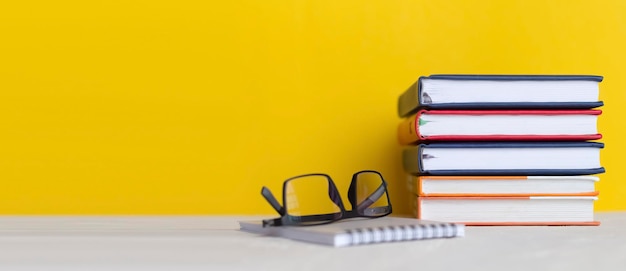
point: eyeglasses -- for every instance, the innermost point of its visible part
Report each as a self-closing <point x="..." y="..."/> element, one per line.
<point x="305" y="203"/>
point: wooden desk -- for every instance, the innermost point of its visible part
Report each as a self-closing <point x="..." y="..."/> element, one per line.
<point x="215" y="243"/>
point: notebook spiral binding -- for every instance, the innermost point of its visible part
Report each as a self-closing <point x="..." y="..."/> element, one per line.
<point x="403" y="233"/>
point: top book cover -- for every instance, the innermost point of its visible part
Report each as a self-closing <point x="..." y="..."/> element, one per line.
<point x="468" y="91"/>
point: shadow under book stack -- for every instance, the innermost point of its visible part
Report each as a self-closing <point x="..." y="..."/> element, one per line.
<point x="502" y="149"/>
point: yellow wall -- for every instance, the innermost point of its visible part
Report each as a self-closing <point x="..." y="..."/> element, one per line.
<point x="179" y="107"/>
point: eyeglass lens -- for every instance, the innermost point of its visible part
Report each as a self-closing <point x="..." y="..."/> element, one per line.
<point x="371" y="196"/>
<point x="312" y="196"/>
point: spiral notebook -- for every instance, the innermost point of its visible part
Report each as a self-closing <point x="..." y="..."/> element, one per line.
<point x="361" y="231"/>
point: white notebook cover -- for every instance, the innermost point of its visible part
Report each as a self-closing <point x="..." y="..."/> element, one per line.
<point x="359" y="231"/>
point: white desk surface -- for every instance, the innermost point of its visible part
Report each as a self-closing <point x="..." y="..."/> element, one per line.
<point x="215" y="243"/>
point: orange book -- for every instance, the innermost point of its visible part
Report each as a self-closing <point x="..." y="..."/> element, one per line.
<point x="502" y="186"/>
<point x="509" y="211"/>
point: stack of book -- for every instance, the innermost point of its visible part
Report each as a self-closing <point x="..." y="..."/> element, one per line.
<point x="502" y="149"/>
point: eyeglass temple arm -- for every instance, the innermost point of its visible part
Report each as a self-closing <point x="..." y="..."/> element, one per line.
<point x="301" y="219"/>
<point x="267" y="194"/>
<point x="372" y="198"/>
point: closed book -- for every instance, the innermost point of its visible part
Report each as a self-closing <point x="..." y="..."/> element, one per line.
<point x="502" y="186"/>
<point x="361" y="231"/>
<point x="507" y="211"/>
<point x="499" y="125"/>
<point x="467" y="91"/>
<point x="503" y="158"/>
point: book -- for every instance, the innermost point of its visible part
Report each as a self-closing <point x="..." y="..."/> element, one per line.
<point x="503" y="158"/>
<point x="361" y="231"/>
<point x="499" y="125"/>
<point x="493" y="211"/>
<point x="467" y="91"/>
<point x="502" y="186"/>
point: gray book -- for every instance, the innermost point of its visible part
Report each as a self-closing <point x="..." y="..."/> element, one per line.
<point x="361" y="231"/>
<point x="482" y="91"/>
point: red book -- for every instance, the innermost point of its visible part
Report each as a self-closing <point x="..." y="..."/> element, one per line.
<point x="499" y="125"/>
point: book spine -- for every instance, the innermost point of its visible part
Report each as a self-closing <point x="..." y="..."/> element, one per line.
<point x="405" y="233"/>
<point x="411" y="160"/>
<point x="409" y="101"/>
<point x="408" y="130"/>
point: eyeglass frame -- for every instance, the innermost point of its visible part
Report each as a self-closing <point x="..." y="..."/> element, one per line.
<point x="335" y="197"/>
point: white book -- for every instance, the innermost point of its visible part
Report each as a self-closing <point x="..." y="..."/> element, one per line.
<point x="541" y="210"/>
<point x="361" y="231"/>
